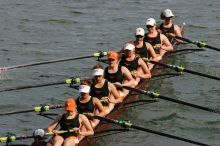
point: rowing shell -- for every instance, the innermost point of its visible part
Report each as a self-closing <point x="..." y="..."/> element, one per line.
<point x="119" y="108"/>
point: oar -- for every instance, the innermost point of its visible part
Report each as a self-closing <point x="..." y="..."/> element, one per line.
<point x="13" y="138"/>
<point x="126" y="124"/>
<point x="67" y="81"/>
<point x="200" y="44"/>
<point x="156" y="95"/>
<point x="98" y="54"/>
<point x="182" y="69"/>
<point x="37" y="109"/>
<point x="185" y="50"/>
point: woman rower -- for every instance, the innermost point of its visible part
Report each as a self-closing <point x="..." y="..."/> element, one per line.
<point x="71" y="120"/>
<point x="134" y="63"/>
<point x="89" y="104"/>
<point x="105" y="91"/>
<point x="168" y="27"/>
<point x="145" y="49"/>
<point x="159" y="41"/>
<point x="118" y="75"/>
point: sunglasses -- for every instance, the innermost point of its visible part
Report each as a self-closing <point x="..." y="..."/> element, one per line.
<point x="168" y="17"/>
<point x="97" y="76"/>
<point x="149" y="26"/>
<point x="139" y="36"/>
<point x="111" y="60"/>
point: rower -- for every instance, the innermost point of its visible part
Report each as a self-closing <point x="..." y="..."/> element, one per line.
<point x="105" y="91"/>
<point x="159" y="41"/>
<point x="134" y="63"/>
<point x="168" y="27"/>
<point x="145" y="49"/>
<point x="68" y="121"/>
<point x="118" y="75"/>
<point x="40" y="138"/>
<point x="87" y="104"/>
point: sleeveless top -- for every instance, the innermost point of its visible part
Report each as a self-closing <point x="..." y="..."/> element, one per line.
<point x="142" y="51"/>
<point x="114" y="77"/>
<point x="100" y="92"/>
<point x="87" y="107"/>
<point x="131" y="65"/>
<point x="153" y="41"/>
<point x="66" y="124"/>
<point x="167" y="30"/>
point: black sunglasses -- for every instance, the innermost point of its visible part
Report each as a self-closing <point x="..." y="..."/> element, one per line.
<point x="139" y="36"/>
<point x="149" y="26"/>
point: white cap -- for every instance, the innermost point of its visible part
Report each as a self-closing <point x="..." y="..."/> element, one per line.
<point x="168" y="13"/>
<point x="140" y="31"/>
<point x="129" y="46"/>
<point x="84" y="89"/>
<point x="39" y="132"/>
<point x="151" y="21"/>
<point x="98" y="72"/>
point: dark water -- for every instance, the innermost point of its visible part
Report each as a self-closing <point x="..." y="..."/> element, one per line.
<point x="42" y="30"/>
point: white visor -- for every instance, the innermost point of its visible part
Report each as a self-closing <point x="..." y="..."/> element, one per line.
<point x="129" y="47"/>
<point x="98" y="72"/>
<point x="84" y="89"/>
<point x="140" y="31"/>
<point x="151" y="21"/>
<point x="168" y="13"/>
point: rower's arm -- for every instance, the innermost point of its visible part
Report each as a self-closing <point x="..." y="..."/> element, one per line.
<point x="151" y="50"/>
<point x="99" y="106"/>
<point x="127" y="74"/>
<point x="145" y="69"/>
<point x="114" y="92"/>
<point x="54" y="124"/>
<point x="166" y="45"/>
<point x="85" y="122"/>
<point x="177" y="31"/>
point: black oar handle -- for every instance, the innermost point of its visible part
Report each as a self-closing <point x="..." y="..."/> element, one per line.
<point x="182" y="69"/>
<point x="213" y="48"/>
<point x="126" y="124"/>
<point x="38" y="109"/>
<point x="189" y="104"/>
<point x="168" y="135"/>
<point x="32" y="86"/>
<point x="156" y="95"/>
<point x="201" y="74"/>
<point x="198" y="43"/>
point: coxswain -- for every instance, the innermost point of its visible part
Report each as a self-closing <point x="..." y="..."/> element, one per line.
<point x="159" y="41"/>
<point x="40" y="138"/>
<point x="167" y="27"/>
<point x="134" y="63"/>
<point x="145" y="49"/>
<point x="105" y="91"/>
<point x="71" y="120"/>
<point x="118" y="75"/>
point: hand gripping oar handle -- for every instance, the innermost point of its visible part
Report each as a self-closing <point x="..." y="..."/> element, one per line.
<point x="98" y="54"/>
<point x="127" y="124"/>
<point x="182" y="69"/>
<point x="156" y="95"/>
